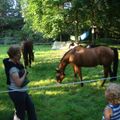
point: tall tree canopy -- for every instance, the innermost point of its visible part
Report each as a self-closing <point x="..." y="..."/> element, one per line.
<point x="50" y="17"/>
<point x="9" y="13"/>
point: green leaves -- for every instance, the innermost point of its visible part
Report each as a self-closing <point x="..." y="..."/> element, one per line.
<point x="50" y="17"/>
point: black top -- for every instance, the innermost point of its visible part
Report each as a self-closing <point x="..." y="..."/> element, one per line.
<point x="8" y="65"/>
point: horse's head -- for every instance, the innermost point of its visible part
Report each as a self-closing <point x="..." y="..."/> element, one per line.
<point x="59" y="75"/>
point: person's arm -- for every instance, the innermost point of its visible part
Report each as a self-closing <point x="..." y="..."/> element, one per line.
<point x="19" y="81"/>
<point x="107" y="113"/>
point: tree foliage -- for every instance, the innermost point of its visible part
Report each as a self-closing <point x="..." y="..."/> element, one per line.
<point x="9" y="13"/>
<point x="43" y="16"/>
<point x="50" y="18"/>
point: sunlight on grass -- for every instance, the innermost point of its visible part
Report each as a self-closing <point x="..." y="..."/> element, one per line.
<point x="1" y="65"/>
<point x="3" y="107"/>
<point x="54" y="92"/>
<point x="41" y="82"/>
<point x="68" y="101"/>
<point x="46" y="92"/>
<point x="119" y="55"/>
<point x="3" y="56"/>
<point x="97" y="84"/>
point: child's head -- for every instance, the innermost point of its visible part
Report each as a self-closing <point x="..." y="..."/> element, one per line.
<point x="112" y="93"/>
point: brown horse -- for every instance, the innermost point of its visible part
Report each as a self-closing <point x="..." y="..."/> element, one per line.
<point x="89" y="57"/>
<point x="27" y="51"/>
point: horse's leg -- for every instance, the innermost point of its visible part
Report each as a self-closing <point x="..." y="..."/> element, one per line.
<point x="77" y="70"/>
<point x="106" y="71"/>
<point x="75" y="73"/>
<point x="32" y="56"/>
<point x="26" y="59"/>
<point x="80" y="75"/>
<point x="30" y="59"/>
<point x="111" y="74"/>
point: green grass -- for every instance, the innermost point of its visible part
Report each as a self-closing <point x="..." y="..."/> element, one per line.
<point x="69" y="102"/>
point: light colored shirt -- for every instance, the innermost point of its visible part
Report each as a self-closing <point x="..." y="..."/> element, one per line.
<point x="13" y="85"/>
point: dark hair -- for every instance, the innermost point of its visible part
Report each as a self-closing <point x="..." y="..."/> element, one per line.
<point x="13" y="51"/>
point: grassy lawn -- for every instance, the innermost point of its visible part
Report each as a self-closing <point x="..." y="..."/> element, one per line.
<point x="68" y="102"/>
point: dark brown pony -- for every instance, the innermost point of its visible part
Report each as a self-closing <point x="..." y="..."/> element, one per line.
<point x="27" y="51"/>
<point x="89" y="57"/>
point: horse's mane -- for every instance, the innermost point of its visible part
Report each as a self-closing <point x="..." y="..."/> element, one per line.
<point x="74" y="49"/>
<point x="65" y="54"/>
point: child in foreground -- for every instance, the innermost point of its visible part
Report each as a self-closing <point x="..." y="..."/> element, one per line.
<point x="112" y="110"/>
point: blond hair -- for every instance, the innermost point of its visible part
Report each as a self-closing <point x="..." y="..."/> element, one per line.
<point x="112" y="93"/>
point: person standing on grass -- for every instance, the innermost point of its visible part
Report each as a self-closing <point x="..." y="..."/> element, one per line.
<point x="17" y="84"/>
<point x="112" y="110"/>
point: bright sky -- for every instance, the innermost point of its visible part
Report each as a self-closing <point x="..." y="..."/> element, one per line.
<point x="14" y="4"/>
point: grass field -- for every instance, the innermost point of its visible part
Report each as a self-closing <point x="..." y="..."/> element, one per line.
<point x="52" y="102"/>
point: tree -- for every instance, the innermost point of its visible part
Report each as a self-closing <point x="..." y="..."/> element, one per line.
<point x="43" y="16"/>
<point x="9" y="13"/>
<point x="50" y="17"/>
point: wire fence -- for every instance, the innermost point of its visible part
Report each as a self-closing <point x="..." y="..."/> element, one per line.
<point x="56" y="85"/>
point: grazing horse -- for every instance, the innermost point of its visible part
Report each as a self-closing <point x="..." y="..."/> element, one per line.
<point x="27" y="51"/>
<point x="89" y="57"/>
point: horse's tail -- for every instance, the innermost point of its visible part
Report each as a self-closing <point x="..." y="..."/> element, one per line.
<point x="115" y="63"/>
